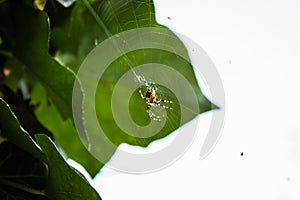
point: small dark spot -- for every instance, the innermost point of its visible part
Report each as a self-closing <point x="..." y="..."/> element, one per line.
<point x="169" y="18"/>
<point x="288" y="179"/>
<point x="242" y="153"/>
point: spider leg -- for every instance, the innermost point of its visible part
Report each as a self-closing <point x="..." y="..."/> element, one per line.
<point x="152" y="115"/>
<point x="166" y="101"/>
<point x="165" y="107"/>
<point x="141" y="78"/>
<point x="141" y="94"/>
<point x="153" y="84"/>
<point x="145" y="81"/>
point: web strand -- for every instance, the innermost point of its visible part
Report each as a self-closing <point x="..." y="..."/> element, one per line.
<point x="139" y="77"/>
<point x="110" y="35"/>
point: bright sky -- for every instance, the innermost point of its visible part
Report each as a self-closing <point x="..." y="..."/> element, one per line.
<point x="255" y="46"/>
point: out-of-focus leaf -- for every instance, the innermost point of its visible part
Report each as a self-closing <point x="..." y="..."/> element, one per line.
<point x="31" y="48"/>
<point x="64" y="131"/>
<point x="40" y="4"/>
<point x="10" y="193"/>
<point x="64" y="182"/>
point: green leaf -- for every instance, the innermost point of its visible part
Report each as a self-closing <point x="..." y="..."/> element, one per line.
<point x="11" y="129"/>
<point x="22" y="174"/>
<point x="137" y="108"/>
<point x="47" y="115"/>
<point x="64" y="182"/>
<point x="23" y="111"/>
<point x="74" y="40"/>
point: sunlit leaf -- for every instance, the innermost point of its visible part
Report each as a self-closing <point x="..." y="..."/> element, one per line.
<point x="40" y="4"/>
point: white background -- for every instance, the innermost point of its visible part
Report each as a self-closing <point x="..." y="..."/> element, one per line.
<point x="255" y="46"/>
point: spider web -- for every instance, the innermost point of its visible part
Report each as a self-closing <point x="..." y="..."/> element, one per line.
<point x="111" y="8"/>
<point x="116" y="12"/>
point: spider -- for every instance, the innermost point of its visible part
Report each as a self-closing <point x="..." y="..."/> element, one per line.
<point x="152" y="100"/>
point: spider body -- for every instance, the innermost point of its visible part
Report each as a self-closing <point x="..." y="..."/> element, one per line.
<point x="152" y="100"/>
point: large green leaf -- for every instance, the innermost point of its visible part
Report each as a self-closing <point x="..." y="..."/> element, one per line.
<point x="64" y="182"/>
<point x="92" y="23"/>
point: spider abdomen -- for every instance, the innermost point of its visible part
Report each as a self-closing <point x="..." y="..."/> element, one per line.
<point x="152" y="98"/>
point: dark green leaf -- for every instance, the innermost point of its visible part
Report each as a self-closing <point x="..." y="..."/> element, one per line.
<point x="23" y="111"/>
<point x="57" y="80"/>
<point x="47" y="114"/>
<point x="11" y="129"/>
<point x="21" y="175"/>
<point x="64" y="182"/>
<point x="11" y="193"/>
